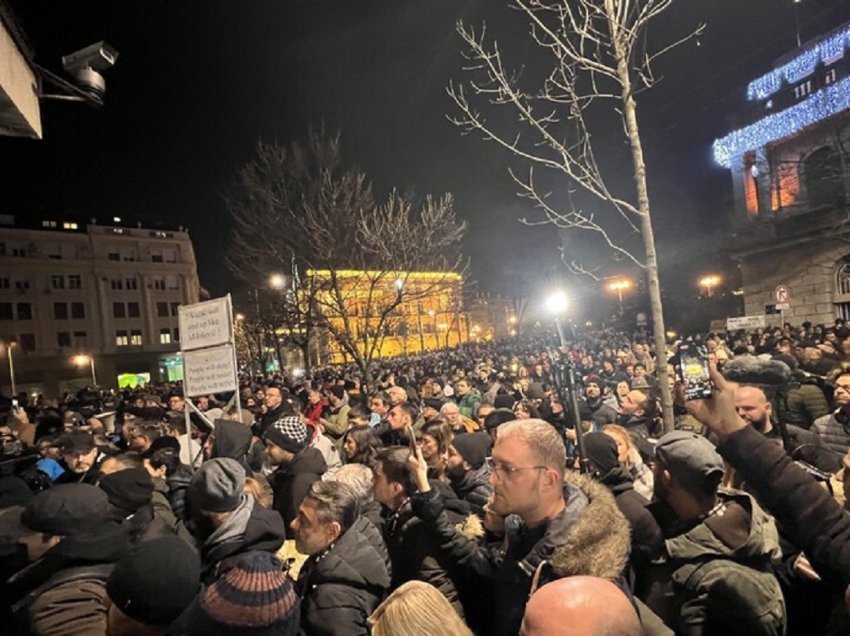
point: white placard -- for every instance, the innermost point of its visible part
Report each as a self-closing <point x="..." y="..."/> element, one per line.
<point x="205" y="324"/>
<point x="210" y="370"/>
<point x="746" y="322"/>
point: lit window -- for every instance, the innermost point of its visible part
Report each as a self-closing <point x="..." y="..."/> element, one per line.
<point x="829" y="77"/>
<point x="121" y="338"/>
<point x="135" y="337"/>
<point x="803" y="90"/>
<point x="164" y="336"/>
<point x="69" y="225"/>
<point x="48" y="224"/>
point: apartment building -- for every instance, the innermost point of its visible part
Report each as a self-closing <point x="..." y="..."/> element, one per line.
<point x="108" y="292"/>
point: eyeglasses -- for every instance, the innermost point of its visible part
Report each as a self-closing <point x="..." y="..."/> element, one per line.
<point x="507" y="471"/>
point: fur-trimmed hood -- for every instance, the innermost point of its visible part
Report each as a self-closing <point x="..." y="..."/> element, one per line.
<point x="598" y="543"/>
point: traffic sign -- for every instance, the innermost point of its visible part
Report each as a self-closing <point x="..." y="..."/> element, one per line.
<point x="781" y="294"/>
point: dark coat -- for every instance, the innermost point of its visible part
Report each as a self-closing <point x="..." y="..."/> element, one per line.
<point x="178" y="486"/>
<point x="475" y="489"/>
<point x="508" y="564"/>
<point x="647" y="539"/>
<point x="291" y="482"/>
<point x="341" y="587"/>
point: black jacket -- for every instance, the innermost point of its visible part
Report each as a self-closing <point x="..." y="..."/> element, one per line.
<point x="475" y="489"/>
<point x="647" y="539"/>
<point x="509" y="564"/>
<point x="342" y="586"/>
<point x="178" y="486"/>
<point x="291" y="481"/>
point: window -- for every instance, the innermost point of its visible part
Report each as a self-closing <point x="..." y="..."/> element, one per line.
<point x="6" y="311"/>
<point x="81" y="338"/>
<point x="20" y="252"/>
<point x="829" y="77"/>
<point x="4" y="283"/>
<point x="24" y="311"/>
<point x="26" y="342"/>
<point x="132" y="310"/>
<point x="78" y="311"/>
<point x="116" y="283"/>
<point x="121" y="338"/>
<point x="803" y="89"/>
<point x="118" y="310"/>
<point x="171" y="283"/>
<point x="60" y="311"/>
<point x="75" y="281"/>
<point x="174" y="307"/>
<point x="70" y="225"/>
<point x="158" y="282"/>
<point x="128" y="254"/>
<point x="176" y="334"/>
<point x="63" y="339"/>
<point x="156" y="256"/>
<point x="48" y="224"/>
<point x="136" y="337"/>
<point x="169" y="255"/>
<point x="161" y="310"/>
<point x="131" y="283"/>
<point x="164" y="336"/>
<point x="824" y="178"/>
<point x="57" y="281"/>
<point x="22" y="285"/>
<point x="114" y="256"/>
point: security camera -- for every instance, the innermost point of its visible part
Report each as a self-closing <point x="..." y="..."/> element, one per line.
<point x="86" y="64"/>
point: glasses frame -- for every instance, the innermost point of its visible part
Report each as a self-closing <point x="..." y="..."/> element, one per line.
<point x="508" y="471"/>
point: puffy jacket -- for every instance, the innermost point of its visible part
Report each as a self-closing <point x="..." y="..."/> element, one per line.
<point x="178" y="485"/>
<point x="805" y="404"/>
<point x="342" y="586"/>
<point x="291" y="481"/>
<point x="703" y="585"/>
<point x="475" y="489"/>
<point x="834" y="430"/>
<point x="469" y="403"/>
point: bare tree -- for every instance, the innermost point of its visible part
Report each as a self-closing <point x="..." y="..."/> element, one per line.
<point x="599" y="61"/>
<point x="361" y="263"/>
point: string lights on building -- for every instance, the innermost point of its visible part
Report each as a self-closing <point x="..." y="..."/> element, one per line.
<point x="819" y="106"/>
<point x="827" y="50"/>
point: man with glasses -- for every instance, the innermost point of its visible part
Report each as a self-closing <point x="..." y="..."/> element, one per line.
<point x="834" y="429"/>
<point x="527" y="474"/>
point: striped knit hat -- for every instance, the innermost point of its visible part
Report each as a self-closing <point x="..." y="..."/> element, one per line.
<point x="255" y="597"/>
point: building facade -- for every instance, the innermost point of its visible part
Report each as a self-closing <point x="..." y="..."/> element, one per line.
<point x="791" y="180"/>
<point x="107" y="292"/>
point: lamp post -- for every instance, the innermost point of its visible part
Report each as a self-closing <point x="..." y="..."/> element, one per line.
<point x="9" y="346"/>
<point x="82" y="360"/>
<point x="710" y="282"/>
<point x="619" y="286"/>
<point x="565" y="374"/>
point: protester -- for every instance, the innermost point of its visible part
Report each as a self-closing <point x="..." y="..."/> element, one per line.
<point x="416" y="608"/>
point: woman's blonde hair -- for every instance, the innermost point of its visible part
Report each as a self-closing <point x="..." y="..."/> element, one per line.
<point x="414" y="609"/>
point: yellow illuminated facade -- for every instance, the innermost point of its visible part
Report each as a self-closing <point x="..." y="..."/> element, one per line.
<point x="423" y="310"/>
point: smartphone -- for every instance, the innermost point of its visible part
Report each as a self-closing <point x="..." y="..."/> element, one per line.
<point x="693" y="370"/>
<point x="15" y="405"/>
<point x="411" y="439"/>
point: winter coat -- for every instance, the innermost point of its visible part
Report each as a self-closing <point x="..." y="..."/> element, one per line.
<point x="475" y="489"/>
<point x="468" y="405"/>
<point x="510" y="564"/>
<point x="337" y="422"/>
<point x="342" y="586"/>
<point x="646" y="538"/>
<point x="602" y="413"/>
<point x="834" y="431"/>
<point x="807" y="513"/>
<point x="235" y="440"/>
<point x="178" y="486"/>
<point x="250" y="527"/>
<point x="64" y="592"/>
<point x="291" y="482"/>
<point x="704" y="584"/>
<point x="805" y="404"/>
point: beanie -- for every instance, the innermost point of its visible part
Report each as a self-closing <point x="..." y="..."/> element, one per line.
<point x="156" y="580"/>
<point x="601" y="450"/>
<point x="128" y="489"/>
<point x="290" y="433"/>
<point x="254" y="597"/>
<point x="67" y="509"/>
<point x="217" y="485"/>
<point x="473" y="447"/>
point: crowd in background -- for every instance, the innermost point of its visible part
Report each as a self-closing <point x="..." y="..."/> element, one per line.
<point x="443" y="495"/>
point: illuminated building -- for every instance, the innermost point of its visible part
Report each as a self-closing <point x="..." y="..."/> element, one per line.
<point x="429" y="315"/>
<point x="791" y="181"/>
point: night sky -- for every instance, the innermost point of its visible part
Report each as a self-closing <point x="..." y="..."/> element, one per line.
<point x="198" y="83"/>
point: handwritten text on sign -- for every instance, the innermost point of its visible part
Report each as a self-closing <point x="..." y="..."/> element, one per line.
<point x="205" y="324"/>
<point x="209" y="371"/>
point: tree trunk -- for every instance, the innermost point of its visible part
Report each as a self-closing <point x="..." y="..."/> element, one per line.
<point x="653" y="282"/>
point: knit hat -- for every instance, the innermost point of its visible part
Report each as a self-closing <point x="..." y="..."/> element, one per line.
<point x="473" y="447"/>
<point x="254" y="597"/>
<point x="76" y="442"/>
<point x="217" y="485"/>
<point x="67" y="509"/>
<point x="128" y="489"/>
<point x="290" y="433"/>
<point x="690" y="458"/>
<point x="601" y="450"/>
<point x="156" y="580"/>
<point x="164" y="441"/>
<point x="434" y="403"/>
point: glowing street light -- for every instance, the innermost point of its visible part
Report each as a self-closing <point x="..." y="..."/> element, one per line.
<point x="709" y="282"/>
<point x="239" y="317"/>
<point x="556" y="304"/>
<point x="9" y="346"/>
<point x="277" y="281"/>
<point x="512" y="320"/>
<point x="619" y="286"/>
<point x="81" y="360"/>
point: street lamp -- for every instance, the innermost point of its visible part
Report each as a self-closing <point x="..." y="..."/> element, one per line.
<point x="710" y="282"/>
<point x="82" y="360"/>
<point x="556" y="304"/>
<point x="277" y="281"/>
<point x="619" y="286"/>
<point x="9" y="346"/>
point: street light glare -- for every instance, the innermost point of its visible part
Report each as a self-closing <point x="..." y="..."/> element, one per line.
<point x="80" y="360"/>
<point x="557" y="303"/>
<point x="277" y="281"/>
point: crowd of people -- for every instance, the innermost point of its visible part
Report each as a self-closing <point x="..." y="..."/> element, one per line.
<point x="452" y="493"/>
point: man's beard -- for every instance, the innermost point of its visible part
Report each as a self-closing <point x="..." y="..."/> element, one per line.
<point x="759" y="424"/>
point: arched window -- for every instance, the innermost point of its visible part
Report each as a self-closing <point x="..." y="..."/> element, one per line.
<point x="824" y="177"/>
<point x="842" y="290"/>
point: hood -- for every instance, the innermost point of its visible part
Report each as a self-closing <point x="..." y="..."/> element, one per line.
<point x="472" y="479"/>
<point x="598" y="543"/>
<point x="618" y="480"/>
<point x="180" y="478"/>
<point x="358" y="559"/>
<point x="310" y="460"/>
<point x="232" y="439"/>
<point x="759" y="529"/>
